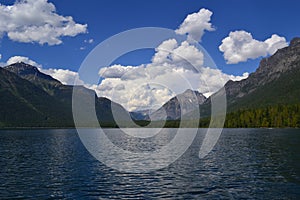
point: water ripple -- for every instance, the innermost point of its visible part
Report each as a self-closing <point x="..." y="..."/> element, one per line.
<point x="245" y="164"/>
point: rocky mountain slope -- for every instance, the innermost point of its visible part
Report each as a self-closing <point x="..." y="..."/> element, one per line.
<point x="276" y="81"/>
<point x="25" y="104"/>
<point x="275" y="84"/>
<point x="30" y="98"/>
<point x="179" y="105"/>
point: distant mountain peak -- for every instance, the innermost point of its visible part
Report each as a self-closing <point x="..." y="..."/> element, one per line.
<point x="190" y="92"/>
<point x="21" y="68"/>
<point x="179" y="105"/>
<point x="31" y="73"/>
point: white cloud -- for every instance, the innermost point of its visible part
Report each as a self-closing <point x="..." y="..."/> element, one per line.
<point x="16" y="59"/>
<point x="170" y="73"/>
<point x="163" y="51"/>
<point x="196" y="24"/>
<point x="65" y="76"/>
<point x="120" y="87"/>
<point x="37" y="21"/>
<point x="115" y="71"/>
<point x="145" y="91"/>
<point x="184" y="55"/>
<point x="175" y="67"/>
<point x="186" y="52"/>
<point x="274" y="43"/>
<point x="239" y="78"/>
<point x="240" y="46"/>
<point x="90" y="41"/>
<point x="2" y="64"/>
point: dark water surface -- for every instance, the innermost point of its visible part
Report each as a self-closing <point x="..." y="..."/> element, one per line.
<point x="245" y="164"/>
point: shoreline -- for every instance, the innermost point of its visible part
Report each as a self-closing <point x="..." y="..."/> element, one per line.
<point x="48" y="128"/>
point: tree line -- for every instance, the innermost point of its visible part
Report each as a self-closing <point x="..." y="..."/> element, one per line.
<point x="269" y="116"/>
<point x="277" y="116"/>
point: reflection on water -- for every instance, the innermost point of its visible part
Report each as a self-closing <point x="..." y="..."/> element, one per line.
<point x="245" y="163"/>
<point x="137" y="155"/>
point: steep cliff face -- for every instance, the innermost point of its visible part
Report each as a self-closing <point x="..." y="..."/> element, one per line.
<point x="277" y="74"/>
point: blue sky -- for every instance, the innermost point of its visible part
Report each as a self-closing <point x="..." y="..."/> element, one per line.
<point x="108" y="17"/>
<point x="105" y="18"/>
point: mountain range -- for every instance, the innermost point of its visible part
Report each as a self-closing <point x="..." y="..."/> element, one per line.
<point x="174" y="109"/>
<point x="276" y="81"/>
<point x="270" y="96"/>
<point x="30" y="98"/>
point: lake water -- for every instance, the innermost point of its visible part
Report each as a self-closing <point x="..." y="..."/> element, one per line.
<point x="245" y="164"/>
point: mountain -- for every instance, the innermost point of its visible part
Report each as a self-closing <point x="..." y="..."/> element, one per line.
<point x="24" y="104"/>
<point x="30" y="98"/>
<point x="32" y="74"/>
<point x="276" y="81"/>
<point x="269" y="97"/>
<point x="179" y="105"/>
<point x="141" y="114"/>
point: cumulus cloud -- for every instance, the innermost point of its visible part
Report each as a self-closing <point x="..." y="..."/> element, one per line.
<point x="240" y="46"/>
<point x="104" y="87"/>
<point x="186" y="52"/>
<point x="115" y="71"/>
<point x="16" y="59"/>
<point x="175" y="67"/>
<point x="239" y="78"/>
<point x="196" y="24"/>
<point x="120" y="87"/>
<point x="163" y="51"/>
<point x="65" y="76"/>
<point x="274" y="43"/>
<point x="145" y="91"/>
<point x="183" y="55"/>
<point x="37" y="21"/>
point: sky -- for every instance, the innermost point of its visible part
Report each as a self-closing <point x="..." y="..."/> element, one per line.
<point x="57" y="35"/>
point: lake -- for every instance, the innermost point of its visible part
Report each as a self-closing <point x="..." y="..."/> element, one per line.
<point x="244" y="164"/>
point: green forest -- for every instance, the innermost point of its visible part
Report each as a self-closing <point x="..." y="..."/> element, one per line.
<point x="276" y="116"/>
<point x="270" y="116"/>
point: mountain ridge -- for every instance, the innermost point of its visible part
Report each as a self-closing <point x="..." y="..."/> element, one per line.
<point x="273" y="88"/>
<point x="284" y="62"/>
<point x="54" y="99"/>
<point x="179" y="105"/>
<point x="24" y="91"/>
<point x="23" y="103"/>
